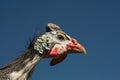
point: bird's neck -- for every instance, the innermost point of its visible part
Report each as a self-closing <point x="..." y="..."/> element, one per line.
<point x="23" y="66"/>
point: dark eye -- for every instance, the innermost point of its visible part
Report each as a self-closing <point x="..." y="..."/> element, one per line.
<point x="60" y="37"/>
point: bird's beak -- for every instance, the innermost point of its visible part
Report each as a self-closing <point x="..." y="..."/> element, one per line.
<point x="74" y="47"/>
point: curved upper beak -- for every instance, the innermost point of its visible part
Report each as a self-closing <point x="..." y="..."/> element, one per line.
<point x="75" y="47"/>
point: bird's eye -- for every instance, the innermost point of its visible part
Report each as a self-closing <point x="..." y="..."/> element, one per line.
<point x="60" y="37"/>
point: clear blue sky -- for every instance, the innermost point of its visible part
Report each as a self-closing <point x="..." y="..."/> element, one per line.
<point x="94" y="23"/>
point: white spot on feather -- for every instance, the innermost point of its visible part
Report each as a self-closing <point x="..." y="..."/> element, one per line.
<point x="54" y="32"/>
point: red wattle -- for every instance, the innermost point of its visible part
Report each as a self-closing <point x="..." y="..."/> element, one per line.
<point x="54" y="52"/>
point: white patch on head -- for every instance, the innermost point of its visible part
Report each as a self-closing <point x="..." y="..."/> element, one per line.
<point x="54" y="32"/>
<point x="62" y="47"/>
<point x="39" y="40"/>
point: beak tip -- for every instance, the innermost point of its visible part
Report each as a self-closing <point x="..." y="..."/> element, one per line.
<point x="85" y="52"/>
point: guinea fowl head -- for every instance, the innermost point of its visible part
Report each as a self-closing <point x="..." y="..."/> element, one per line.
<point x="56" y="44"/>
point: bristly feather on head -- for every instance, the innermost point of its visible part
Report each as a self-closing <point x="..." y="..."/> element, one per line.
<point x="35" y="35"/>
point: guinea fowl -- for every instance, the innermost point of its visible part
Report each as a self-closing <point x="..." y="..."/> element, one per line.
<point x="54" y="44"/>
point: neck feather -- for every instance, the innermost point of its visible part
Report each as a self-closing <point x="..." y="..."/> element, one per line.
<point x="22" y="67"/>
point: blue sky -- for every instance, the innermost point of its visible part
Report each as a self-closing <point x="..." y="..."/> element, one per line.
<point x="94" y="23"/>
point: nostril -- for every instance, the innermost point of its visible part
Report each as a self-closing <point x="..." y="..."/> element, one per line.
<point x="74" y="41"/>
